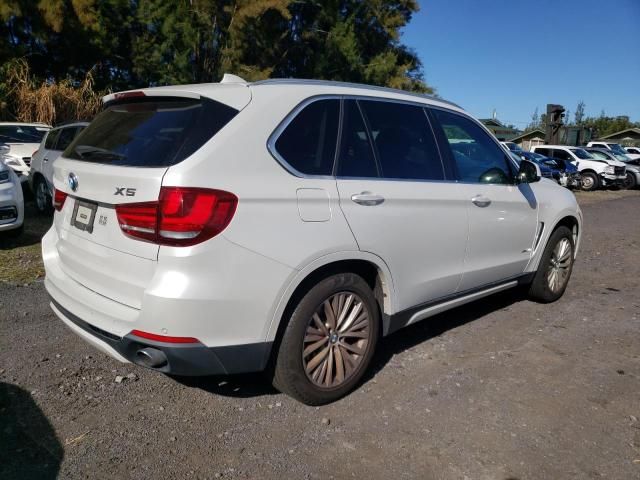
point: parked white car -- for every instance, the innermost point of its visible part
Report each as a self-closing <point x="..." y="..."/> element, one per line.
<point x="595" y="172"/>
<point x="616" y="148"/>
<point x="221" y="228"/>
<point x="633" y="152"/>
<point x="41" y="173"/>
<point x="22" y="139"/>
<point x="11" y="201"/>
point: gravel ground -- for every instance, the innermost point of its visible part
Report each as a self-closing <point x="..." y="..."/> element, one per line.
<point x="500" y="389"/>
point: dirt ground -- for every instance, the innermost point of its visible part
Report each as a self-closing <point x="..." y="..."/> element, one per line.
<point x="500" y="389"/>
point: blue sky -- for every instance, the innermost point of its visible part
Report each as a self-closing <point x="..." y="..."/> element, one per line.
<point x="517" y="55"/>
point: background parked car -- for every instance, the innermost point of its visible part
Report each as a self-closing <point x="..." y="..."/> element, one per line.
<point x="22" y="139"/>
<point x="545" y="171"/>
<point x="11" y="201"/>
<point x="595" y="173"/>
<point x="514" y="147"/>
<point x="564" y="172"/>
<point x="632" y="151"/>
<point x="633" y="166"/>
<point x="41" y="172"/>
<point x="616" y="148"/>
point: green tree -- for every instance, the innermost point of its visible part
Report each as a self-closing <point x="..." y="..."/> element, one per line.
<point x="68" y="38"/>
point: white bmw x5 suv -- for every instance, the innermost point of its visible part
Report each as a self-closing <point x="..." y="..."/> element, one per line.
<point x="287" y="225"/>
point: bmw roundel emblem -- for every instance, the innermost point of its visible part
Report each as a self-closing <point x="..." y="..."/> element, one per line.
<point x="72" y="180"/>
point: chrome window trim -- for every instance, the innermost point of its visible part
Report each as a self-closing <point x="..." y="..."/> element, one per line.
<point x="273" y="138"/>
<point x="275" y="135"/>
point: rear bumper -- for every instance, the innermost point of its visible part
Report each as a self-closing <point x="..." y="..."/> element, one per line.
<point x="225" y="306"/>
<point x="186" y="359"/>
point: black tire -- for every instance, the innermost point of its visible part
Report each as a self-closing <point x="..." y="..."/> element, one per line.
<point x="590" y="181"/>
<point x="290" y="376"/>
<point x="630" y="181"/>
<point x="16" y="232"/>
<point x="44" y="202"/>
<point x="541" y="289"/>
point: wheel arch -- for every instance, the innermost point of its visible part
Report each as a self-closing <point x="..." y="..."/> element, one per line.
<point x="371" y="267"/>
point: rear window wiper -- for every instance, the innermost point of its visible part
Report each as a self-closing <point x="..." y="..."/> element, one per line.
<point x="88" y="152"/>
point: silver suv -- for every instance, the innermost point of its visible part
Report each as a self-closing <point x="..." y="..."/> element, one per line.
<point x="235" y="227"/>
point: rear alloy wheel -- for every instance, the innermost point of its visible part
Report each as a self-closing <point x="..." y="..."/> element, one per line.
<point x="590" y="181"/>
<point x="43" y="198"/>
<point x="329" y="341"/>
<point x="555" y="267"/>
<point x="336" y="338"/>
<point x="630" y="181"/>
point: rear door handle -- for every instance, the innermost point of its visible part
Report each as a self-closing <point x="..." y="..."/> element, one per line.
<point x="480" y="201"/>
<point x="45" y="159"/>
<point x="367" y="198"/>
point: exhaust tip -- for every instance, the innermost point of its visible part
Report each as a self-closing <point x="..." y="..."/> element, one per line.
<point x="151" y="357"/>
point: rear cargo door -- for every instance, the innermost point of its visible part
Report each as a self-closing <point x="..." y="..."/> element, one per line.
<point x="121" y="158"/>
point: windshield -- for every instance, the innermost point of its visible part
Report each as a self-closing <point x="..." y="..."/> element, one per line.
<point x="150" y="132"/>
<point x="615" y="147"/>
<point x="599" y="155"/>
<point x="621" y="157"/>
<point x="580" y="153"/>
<point x="513" y="147"/>
<point x="21" y="133"/>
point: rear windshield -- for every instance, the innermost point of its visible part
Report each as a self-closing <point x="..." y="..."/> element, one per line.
<point x="21" y="133"/>
<point x="150" y="132"/>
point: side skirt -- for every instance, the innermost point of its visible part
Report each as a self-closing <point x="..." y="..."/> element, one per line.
<point x="429" y="309"/>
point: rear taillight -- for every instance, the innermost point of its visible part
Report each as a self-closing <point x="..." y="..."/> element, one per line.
<point x="58" y="199"/>
<point x="181" y="216"/>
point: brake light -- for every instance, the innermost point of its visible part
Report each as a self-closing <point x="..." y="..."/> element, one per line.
<point x="123" y="95"/>
<point x="181" y="216"/>
<point x="58" y="199"/>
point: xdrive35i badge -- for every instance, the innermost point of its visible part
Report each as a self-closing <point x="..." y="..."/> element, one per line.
<point x="72" y="180"/>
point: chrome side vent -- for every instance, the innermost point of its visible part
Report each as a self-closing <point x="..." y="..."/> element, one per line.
<point x="538" y="236"/>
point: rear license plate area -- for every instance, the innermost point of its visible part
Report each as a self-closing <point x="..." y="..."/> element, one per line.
<point x="84" y="214"/>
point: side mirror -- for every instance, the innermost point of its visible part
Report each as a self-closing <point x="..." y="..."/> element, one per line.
<point x="529" y="172"/>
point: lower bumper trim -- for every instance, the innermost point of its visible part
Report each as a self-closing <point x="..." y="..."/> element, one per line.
<point x="191" y="359"/>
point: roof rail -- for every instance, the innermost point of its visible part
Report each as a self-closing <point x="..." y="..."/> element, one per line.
<point x="300" y="81"/>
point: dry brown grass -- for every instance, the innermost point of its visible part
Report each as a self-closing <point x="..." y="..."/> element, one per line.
<point x="49" y="102"/>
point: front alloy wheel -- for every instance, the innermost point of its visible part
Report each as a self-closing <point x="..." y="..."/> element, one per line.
<point x="552" y="277"/>
<point x="559" y="264"/>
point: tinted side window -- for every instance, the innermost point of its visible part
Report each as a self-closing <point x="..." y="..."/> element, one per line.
<point x="356" y="155"/>
<point x="562" y="155"/>
<point x="544" y="151"/>
<point x="477" y="157"/>
<point x="308" y="143"/>
<point x="52" y="137"/>
<point x="403" y="140"/>
<point x="66" y="137"/>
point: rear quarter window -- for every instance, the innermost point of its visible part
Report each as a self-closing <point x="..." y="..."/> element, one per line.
<point x="150" y="131"/>
<point x="308" y="142"/>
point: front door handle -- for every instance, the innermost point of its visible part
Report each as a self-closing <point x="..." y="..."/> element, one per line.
<point x="45" y="159"/>
<point x="480" y="201"/>
<point x="367" y="198"/>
